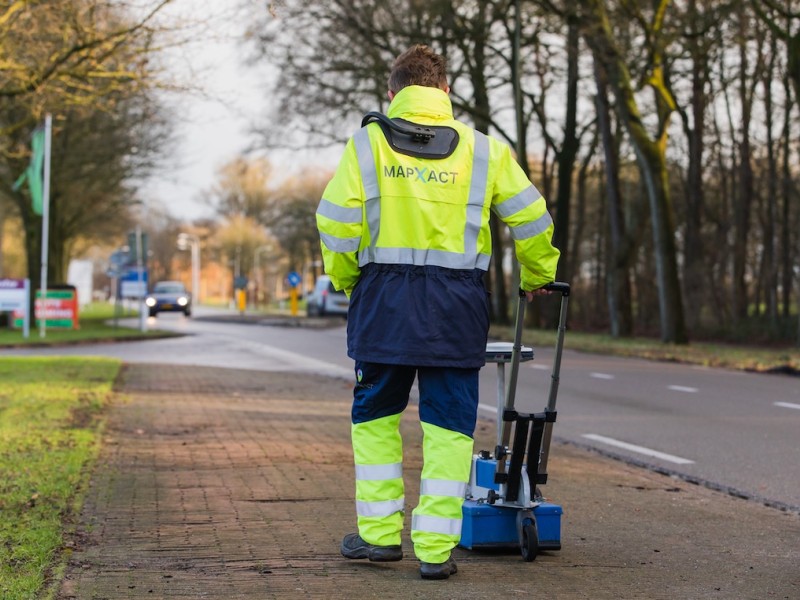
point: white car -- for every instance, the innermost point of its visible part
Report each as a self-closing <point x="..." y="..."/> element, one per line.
<point x="325" y="300"/>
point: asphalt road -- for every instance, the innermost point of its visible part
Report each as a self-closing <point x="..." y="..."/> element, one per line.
<point x="734" y="431"/>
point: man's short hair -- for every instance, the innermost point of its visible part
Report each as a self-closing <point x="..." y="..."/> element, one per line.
<point x="419" y="65"/>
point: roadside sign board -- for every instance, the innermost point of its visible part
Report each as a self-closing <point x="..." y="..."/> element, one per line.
<point x="133" y="283"/>
<point x="60" y="309"/>
<point x="15" y="297"/>
<point x="13" y="294"/>
<point x="135" y="253"/>
<point x="117" y="262"/>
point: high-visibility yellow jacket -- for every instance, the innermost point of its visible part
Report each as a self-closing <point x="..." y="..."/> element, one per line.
<point x="387" y="208"/>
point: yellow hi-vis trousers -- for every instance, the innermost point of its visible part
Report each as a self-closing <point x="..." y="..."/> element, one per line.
<point x="436" y="523"/>
<point x="378" y="454"/>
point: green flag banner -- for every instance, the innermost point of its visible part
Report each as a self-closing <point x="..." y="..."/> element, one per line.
<point x="34" y="174"/>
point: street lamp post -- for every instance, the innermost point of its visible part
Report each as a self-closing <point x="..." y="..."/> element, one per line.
<point x="191" y="241"/>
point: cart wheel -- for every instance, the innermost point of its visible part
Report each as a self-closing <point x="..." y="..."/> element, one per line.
<point x="530" y="542"/>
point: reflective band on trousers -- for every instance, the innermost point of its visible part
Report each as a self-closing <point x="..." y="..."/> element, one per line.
<point x="529" y="230"/>
<point x="442" y="487"/>
<point x="383" y="508"/>
<point x="424" y="523"/>
<point x="469" y="259"/>
<point x="379" y="472"/>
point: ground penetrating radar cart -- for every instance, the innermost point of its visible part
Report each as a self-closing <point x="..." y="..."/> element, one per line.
<point x="504" y="505"/>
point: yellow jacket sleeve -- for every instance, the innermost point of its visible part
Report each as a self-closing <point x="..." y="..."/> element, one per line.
<point x="340" y="222"/>
<point x="520" y="206"/>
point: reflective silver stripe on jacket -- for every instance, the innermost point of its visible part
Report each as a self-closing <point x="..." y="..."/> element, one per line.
<point x="422" y="256"/>
<point x="442" y="487"/>
<point x="369" y="178"/>
<point x="338" y="244"/>
<point x="379" y="509"/>
<point x="469" y="258"/>
<point x="477" y="195"/>
<point x="436" y="525"/>
<point x="337" y="213"/>
<point x="516" y="203"/>
<point x="529" y="230"/>
<point x="379" y="472"/>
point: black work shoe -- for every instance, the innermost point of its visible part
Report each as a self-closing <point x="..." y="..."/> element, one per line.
<point x="354" y="547"/>
<point x="438" y="571"/>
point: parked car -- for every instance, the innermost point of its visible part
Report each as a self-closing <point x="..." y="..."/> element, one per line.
<point x="169" y="296"/>
<point x="325" y="300"/>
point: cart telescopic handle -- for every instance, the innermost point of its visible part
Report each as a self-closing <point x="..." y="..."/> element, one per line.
<point x="558" y="286"/>
<point x="554" y="286"/>
<point x="511" y="385"/>
<point x="555" y="377"/>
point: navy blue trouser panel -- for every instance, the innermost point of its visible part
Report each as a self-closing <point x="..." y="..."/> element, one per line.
<point x="380" y="391"/>
<point x="448" y="397"/>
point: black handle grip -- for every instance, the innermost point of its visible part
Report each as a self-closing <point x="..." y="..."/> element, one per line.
<point x="556" y="286"/>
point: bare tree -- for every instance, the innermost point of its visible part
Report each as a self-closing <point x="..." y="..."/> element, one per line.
<point x="244" y="188"/>
<point x="650" y="149"/>
<point x="87" y="63"/>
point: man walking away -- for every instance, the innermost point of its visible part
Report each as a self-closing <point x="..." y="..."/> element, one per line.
<point x="404" y="229"/>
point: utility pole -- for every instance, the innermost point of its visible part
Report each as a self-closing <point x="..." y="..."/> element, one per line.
<point x="48" y="133"/>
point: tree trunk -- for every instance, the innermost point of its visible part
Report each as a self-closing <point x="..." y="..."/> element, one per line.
<point x="482" y="108"/>
<point x="694" y="267"/>
<point x="744" y="200"/>
<point x="786" y="197"/>
<point x="567" y="156"/>
<point x="770" y="271"/>
<point x="651" y="157"/>
<point x="619" y="252"/>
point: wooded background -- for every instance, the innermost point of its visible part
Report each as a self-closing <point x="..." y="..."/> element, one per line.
<point x="663" y="134"/>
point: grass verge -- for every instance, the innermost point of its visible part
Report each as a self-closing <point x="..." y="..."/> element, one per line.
<point x="729" y="356"/>
<point x="50" y="423"/>
<point x="96" y="325"/>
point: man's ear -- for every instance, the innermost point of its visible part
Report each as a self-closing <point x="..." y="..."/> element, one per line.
<point x="391" y="95"/>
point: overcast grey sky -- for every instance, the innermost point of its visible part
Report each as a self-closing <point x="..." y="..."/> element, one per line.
<point x="211" y="124"/>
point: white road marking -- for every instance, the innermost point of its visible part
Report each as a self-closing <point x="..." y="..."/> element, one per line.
<point x="787" y="405"/>
<point x="491" y="409"/>
<point x="639" y="449"/>
<point x="539" y="367"/>
<point x="682" y="388"/>
<point x="601" y="375"/>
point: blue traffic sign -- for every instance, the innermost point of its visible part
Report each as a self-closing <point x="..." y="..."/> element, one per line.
<point x="294" y="278"/>
<point x="133" y="282"/>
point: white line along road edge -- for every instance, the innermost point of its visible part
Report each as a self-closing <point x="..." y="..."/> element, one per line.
<point x="638" y="449"/>
<point x="682" y="388"/>
<point x="787" y="405"/>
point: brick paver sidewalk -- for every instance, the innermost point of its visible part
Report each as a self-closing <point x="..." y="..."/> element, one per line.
<point x="228" y="484"/>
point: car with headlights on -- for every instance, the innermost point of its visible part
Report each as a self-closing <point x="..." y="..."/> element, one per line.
<point x="169" y="296"/>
